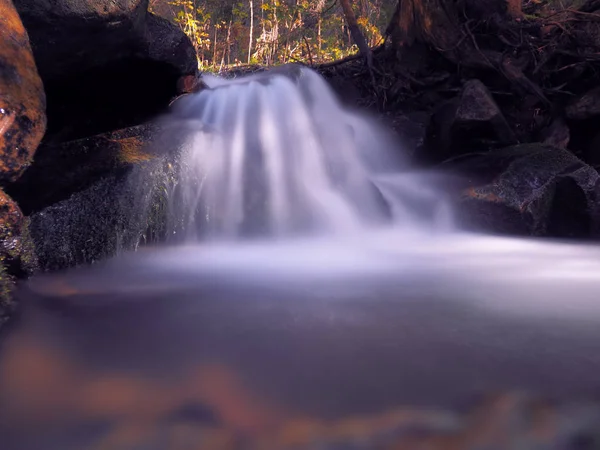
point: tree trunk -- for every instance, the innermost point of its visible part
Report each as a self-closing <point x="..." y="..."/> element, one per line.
<point x="319" y="37"/>
<point x="227" y="46"/>
<point x="355" y="32"/>
<point x="514" y="8"/>
<point x="275" y="32"/>
<point x="214" y="60"/>
<point x="251" y="34"/>
<point x="432" y="22"/>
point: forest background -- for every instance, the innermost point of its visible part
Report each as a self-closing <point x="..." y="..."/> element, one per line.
<point x="268" y="32"/>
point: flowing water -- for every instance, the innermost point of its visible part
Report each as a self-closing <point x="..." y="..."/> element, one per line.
<point x="275" y="154"/>
<point x="329" y="305"/>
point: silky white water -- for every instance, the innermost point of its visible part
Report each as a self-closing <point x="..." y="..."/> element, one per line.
<point x="326" y="193"/>
<point x="275" y="154"/>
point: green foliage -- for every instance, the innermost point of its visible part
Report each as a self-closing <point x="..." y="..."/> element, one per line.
<point x="274" y="31"/>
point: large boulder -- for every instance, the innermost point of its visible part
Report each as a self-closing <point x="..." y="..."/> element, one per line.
<point x="111" y="197"/>
<point x="22" y="126"/>
<point x="116" y="213"/>
<point x="22" y="100"/>
<point x="74" y="35"/>
<point x="531" y="189"/>
<point x="80" y="164"/>
<point x="106" y="64"/>
<point x="109" y="194"/>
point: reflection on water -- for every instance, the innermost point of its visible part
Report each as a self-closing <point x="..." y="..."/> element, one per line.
<point x="389" y="341"/>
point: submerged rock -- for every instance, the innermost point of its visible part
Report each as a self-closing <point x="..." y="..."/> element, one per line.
<point x="531" y="189"/>
<point x="22" y="100"/>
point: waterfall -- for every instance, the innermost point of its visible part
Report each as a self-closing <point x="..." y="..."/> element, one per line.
<point x="275" y="154"/>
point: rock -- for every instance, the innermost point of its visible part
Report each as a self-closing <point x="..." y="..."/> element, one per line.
<point x="557" y="134"/>
<point x="62" y="169"/>
<point x="585" y="107"/>
<point x="17" y="253"/>
<point x="22" y="100"/>
<point x="467" y="123"/>
<point x="116" y="213"/>
<point x="478" y="113"/>
<point x="6" y="302"/>
<point x="166" y="43"/>
<point x="189" y="84"/>
<point x="70" y="36"/>
<point x="89" y="198"/>
<point x="531" y="189"/>
<point x="411" y="129"/>
<point x="105" y="64"/>
<point x="17" y="257"/>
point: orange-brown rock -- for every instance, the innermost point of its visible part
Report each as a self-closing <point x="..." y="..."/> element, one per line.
<point x="22" y="99"/>
<point x="188" y="84"/>
<point x="16" y="250"/>
<point x="17" y="255"/>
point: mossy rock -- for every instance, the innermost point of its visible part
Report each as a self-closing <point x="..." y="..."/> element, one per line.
<point x="530" y="189"/>
<point x="117" y="213"/>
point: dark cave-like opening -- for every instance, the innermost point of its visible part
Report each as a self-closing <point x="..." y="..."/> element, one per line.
<point x="118" y="95"/>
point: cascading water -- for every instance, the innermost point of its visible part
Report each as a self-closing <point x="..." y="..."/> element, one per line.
<point x="275" y="154"/>
<point x="352" y="335"/>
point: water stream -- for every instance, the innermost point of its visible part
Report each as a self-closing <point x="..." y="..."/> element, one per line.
<point x="312" y="278"/>
<point x="276" y="155"/>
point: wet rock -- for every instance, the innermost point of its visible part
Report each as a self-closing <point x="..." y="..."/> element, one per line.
<point x="531" y="189"/>
<point x="62" y="169"/>
<point x="17" y="253"/>
<point x="105" y="64"/>
<point x="22" y="100"/>
<point x="116" y="213"/>
<point x="6" y="302"/>
<point x="585" y="107"/>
